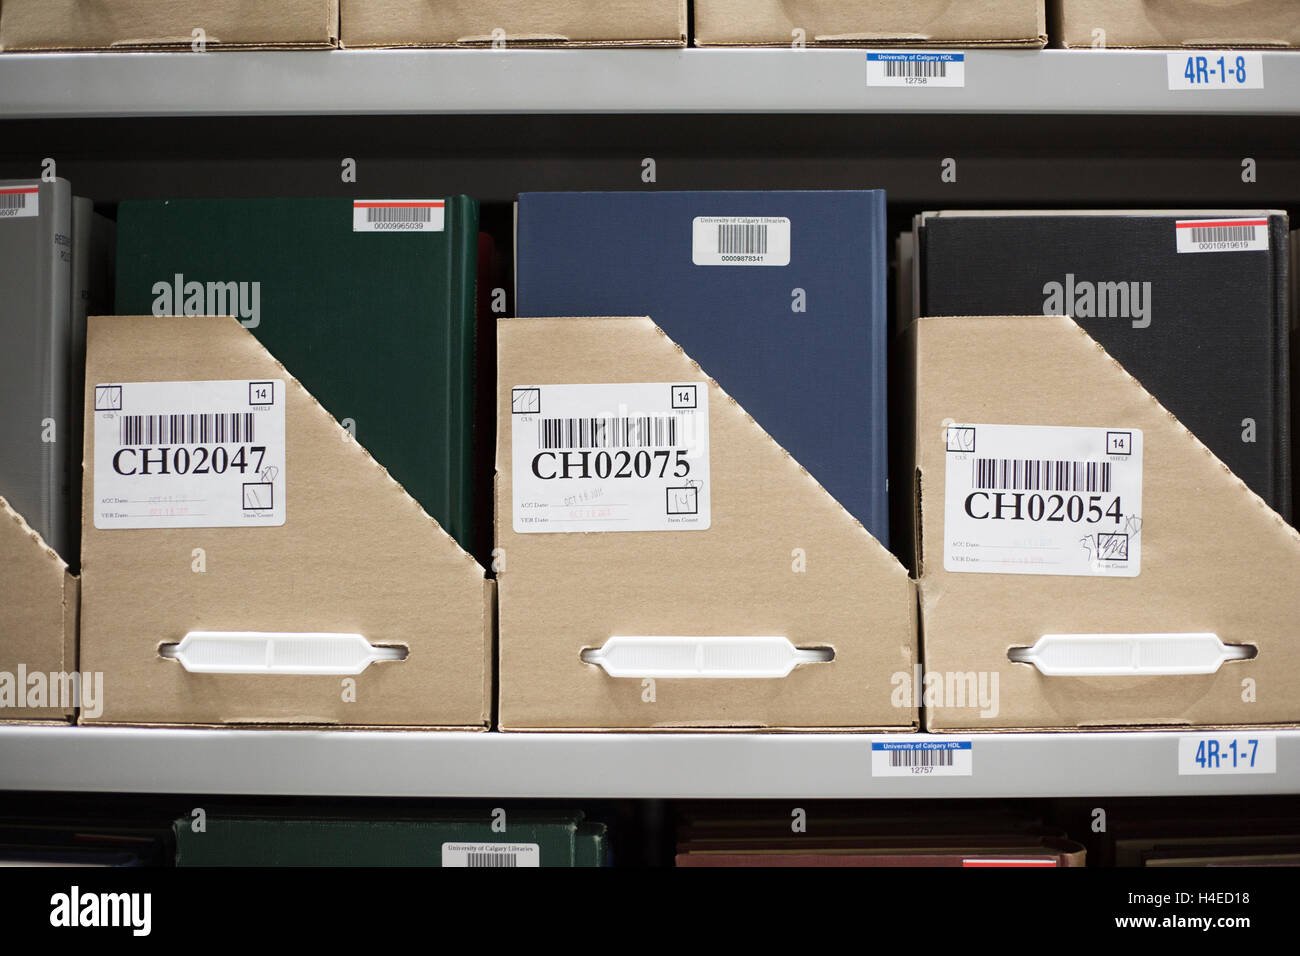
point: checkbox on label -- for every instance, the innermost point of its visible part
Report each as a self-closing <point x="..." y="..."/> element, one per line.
<point x="961" y="438"/>
<point x="683" y="501"/>
<point x="259" y="496"/>
<point x="525" y="401"/>
<point x="108" y="398"/>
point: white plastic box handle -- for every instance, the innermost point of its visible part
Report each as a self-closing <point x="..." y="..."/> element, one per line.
<point x="277" y="652"/>
<point x="693" y="656"/>
<point x="1113" y="655"/>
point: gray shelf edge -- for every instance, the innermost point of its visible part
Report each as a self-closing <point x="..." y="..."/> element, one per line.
<point x="602" y="765"/>
<point x="52" y="85"/>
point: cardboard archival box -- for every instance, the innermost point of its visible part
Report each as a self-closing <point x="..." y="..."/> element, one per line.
<point x="148" y="24"/>
<point x="415" y="23"/>
<point x="1177" y="23"/>
<point x="355" y="555"/>
<point x="1214" y="558"/>
<point x="856" y="23"/>
<point x="779" y="557"/>
<point x="38" y="625"/>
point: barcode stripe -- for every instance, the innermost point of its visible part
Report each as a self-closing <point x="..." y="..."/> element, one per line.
<point x="920" y="758"/>
<point x="742" y="238"/>
<point x="399" y="214"/>
<point x="1223" y="233"/>
<point x="14" y="200"/>
<point x="645" y="431"/>
<point x="491" y="859"/>
<point x="916" y="68"/>
<point x="1016" y="474"/>
<point x="189" y="429"/>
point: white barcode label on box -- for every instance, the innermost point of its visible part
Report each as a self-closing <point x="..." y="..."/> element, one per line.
<point x="740" y="241"/>
<point x="1215" y="70"/>
<point x="915" y="68"/>
<point x="492" y="854"/>
<point x="19" y="202"/>
<point x="628" y="457"/>
<point x="189" y="454"/>
<point x="398" y="215"/>
<point x="938" y="758"/>
<point x="1029" y="499"/>
<point x="1245" y="752"/>
<point x="1221" y="235"/>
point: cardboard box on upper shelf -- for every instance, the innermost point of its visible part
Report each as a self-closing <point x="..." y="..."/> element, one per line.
<point x="1016" y="23"/>
<point x="1164" y="24"/>
<point x="509" y="23"/>
<point x="29" y="25"/>
<point x="1085" y="562"/>
<point x="245" y="561"/>
<point x="664" y="564"/>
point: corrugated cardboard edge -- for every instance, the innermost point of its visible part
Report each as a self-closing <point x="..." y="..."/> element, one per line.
<point x="488" y="619"/>
<point x="1037" y="40"/>
<point x="889" y="565"/>
<point x="526" y="39"/>
<point x="1077" y="34"/>
<point x="29" y="549"/>
<point x="1129" y="381"/>
<point x="328" y="41"/>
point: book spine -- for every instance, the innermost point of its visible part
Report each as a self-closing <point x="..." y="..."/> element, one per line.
<point x="1282" y="384"/>
<point x="54" y="329"/>
<point x="461" y="455"/>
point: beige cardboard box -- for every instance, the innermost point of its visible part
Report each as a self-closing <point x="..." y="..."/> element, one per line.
<point x="355" y="555"/>
<point x="1214" y="558"/>
<point x="865" y="22"/>
<point x="150" y="24"/>
<point x="779" y="558"/>
<point x="407" y="23"/>
<point x="1176" y="23"/>
<point x="38" y="626"/>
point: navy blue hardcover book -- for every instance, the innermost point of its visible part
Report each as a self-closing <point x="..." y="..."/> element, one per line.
<point x="779" y="296"/>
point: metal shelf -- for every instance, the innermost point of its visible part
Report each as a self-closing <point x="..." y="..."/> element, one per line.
<point x="605" y="81"/>
<point x="495" y="765"/>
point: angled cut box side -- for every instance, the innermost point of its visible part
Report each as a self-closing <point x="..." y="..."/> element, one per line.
<point x="38" y="624"/>
<point x="561" y="593"/>
<point x="1214" y="557"/>
<point x="356" y="554"/>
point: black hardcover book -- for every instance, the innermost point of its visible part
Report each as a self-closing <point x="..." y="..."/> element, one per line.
<point x="1192" y="304"/>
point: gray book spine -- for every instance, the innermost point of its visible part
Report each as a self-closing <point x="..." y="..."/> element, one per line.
<point x="35" y="317"/>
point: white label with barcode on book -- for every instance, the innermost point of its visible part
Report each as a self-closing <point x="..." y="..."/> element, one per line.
<point x="740" y="241"/>
<point x="1222" y="235"/>
<point x="1031" y="499"/>
<point x="189" y="454"/>
<point x="937" y="758"/>
<point x="492" y="854"/>
<point x="915" y="68"/>
<point x="19" y="202"/>
<point x="1215" y="70"/>
<point x="625" y="457"/>
<point x="398" y="215"/>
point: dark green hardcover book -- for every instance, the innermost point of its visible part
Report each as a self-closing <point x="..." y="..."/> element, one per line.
<point x="453" y="840"/>
<point x="369" y="304"/>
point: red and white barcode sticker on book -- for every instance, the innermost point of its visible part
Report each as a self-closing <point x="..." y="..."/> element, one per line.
<point x="1222" y="235"/>
<point x="18" y="202"/>
<point x="398" y="215"/>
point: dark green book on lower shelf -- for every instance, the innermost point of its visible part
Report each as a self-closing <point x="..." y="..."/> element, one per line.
<point x="458" y="840"/>
<point x="370" y="304"/>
